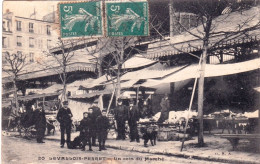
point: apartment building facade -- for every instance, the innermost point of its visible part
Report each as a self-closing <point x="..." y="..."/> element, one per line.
<point x="27" y="36"/>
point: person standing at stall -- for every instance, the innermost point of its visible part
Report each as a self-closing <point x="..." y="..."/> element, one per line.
<point x="165" y="106"/>
<point x="64" y="117"/>
<point x="146" y="111"/>
<point x="40" y="124"/>
<point x="120" y="117"/>
<point x="103" y="127"/>
<point x="94" y="115"/>
<point x="133" y="118"/>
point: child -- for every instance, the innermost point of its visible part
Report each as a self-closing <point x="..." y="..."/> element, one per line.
<point x="78" y="141"/>
<point x="85" y="124"/>
<point x="102" y="129"/>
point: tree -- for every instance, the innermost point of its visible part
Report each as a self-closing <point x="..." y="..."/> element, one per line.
<point x="15" y="64"/>
<point x="60" y="62"/>
<point x="110" y="54"/>
<point x="212" y="33"/>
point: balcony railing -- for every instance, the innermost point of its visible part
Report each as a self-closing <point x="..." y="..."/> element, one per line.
<point x="19" y="44"/>
<point x="31" y="46"/>
<point x="19" y="29"/>
<point x="31" y="30"/>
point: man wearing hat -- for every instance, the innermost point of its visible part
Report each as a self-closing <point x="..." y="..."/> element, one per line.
<point x="102" y="129"/>
<point x="40" y="124"/>
<point x="133" y="118"/>
<point x="64" y="117"/>
<point x="120" y="117"/>
<point x="96" y="112"/>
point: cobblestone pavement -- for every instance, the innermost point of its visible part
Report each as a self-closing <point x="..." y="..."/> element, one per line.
<point x="21" y="151"/>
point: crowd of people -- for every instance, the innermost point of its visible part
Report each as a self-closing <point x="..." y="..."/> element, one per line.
<point x="95" y="123"/>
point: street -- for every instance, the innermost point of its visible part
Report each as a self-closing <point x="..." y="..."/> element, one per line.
<point x="22" y="151"/>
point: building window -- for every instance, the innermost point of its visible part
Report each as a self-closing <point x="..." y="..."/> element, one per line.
<point x="4" y="42"/>
<point x="31" y="27"/>
<point x="48" y="43"/>
<point x="4" y="28"/>
<point x="48" y="30"/>
<point x="31" y="57"/>
<point x="19" y="41"/>
<point x="18" y="25"/>
<point x="31" y="42"/>
<point x="8" y="26"/>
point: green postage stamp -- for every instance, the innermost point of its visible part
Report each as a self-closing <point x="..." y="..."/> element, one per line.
<point x="81" y="19"/>
<point x="122" y="18"/>
<point x="127" y="18"/>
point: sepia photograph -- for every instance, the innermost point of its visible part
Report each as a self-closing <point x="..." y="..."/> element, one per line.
<point x="130" y="81"/>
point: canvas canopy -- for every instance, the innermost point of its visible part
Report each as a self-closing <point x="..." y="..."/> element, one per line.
<point x="92" y="94"/>
<point x="211" y="70"/>
<point x="137" y="61"/>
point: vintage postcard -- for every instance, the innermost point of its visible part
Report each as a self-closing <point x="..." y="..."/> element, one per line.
<point x="130" y="81"/>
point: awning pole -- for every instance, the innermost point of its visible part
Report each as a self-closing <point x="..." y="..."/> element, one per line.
<point x="191" y="100"/>
<point x="43" y="102"/>
<point x="110" y="102"/>
<point x="137" y="95"/>
<point x="36" y="103"/>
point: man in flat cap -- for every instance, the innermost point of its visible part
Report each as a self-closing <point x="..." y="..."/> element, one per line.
<point x="120" y="113"/>
<point x="64" y="117"/>
<point x="102" y="129"/>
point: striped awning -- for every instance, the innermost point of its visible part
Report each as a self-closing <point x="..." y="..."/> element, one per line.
<point x="34" y="96"/>
<point x="88" y="67"/>
<point x="188" y="43"/>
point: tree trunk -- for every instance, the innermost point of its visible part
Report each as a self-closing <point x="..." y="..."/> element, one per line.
<point x="15" y="97"/>
<point x="118" y="85"/>
<point x="64" y="96"/>
<point x="99" y="75"/>
<point x="119" y="67"/>
<point x="174" y="20"/>
<point x="201" y="95"/>
<point x="171" y="18"/>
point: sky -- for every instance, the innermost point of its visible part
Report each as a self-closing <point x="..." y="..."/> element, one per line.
<point x="26" y="8"/>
